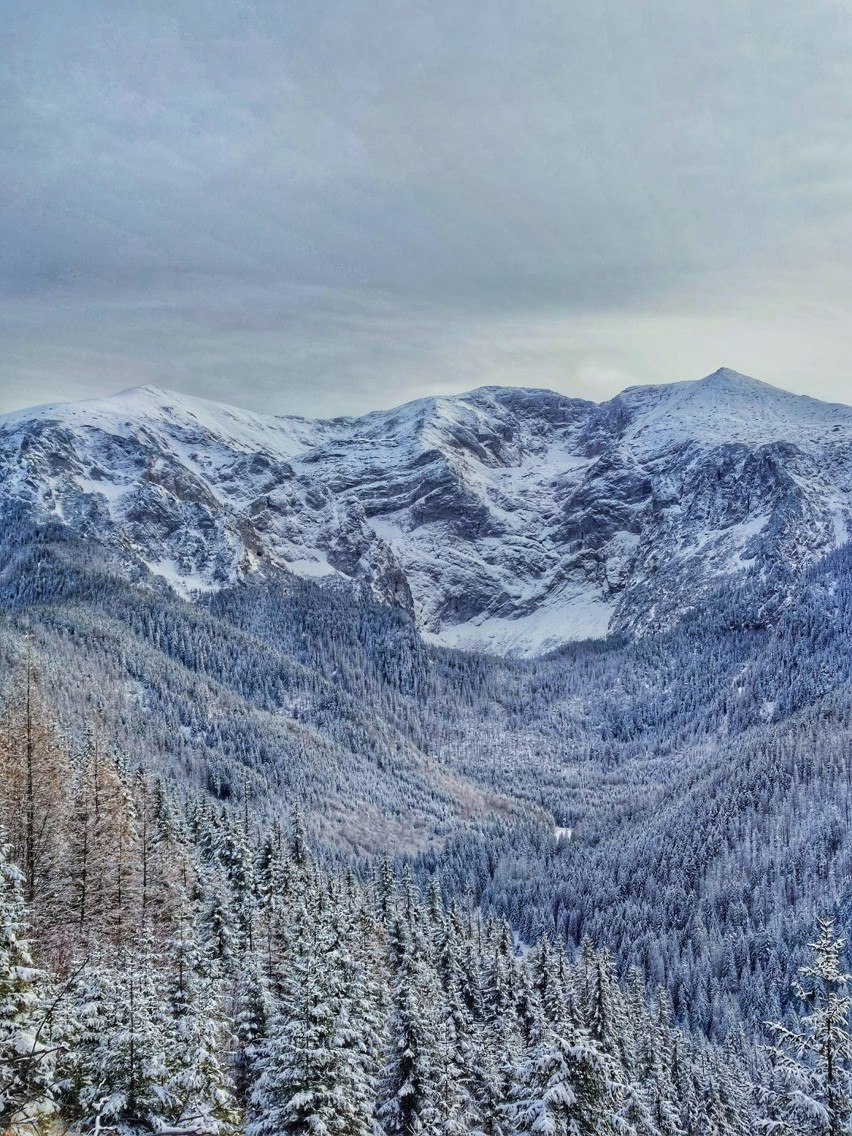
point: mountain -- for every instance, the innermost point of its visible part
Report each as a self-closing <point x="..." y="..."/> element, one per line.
<point x="506" y="520"/>
<point x="681" y="796"/>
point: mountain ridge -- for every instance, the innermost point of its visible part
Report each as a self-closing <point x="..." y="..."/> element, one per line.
<point x="506" y="519"/>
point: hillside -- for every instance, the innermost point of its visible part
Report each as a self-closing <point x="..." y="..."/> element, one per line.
<point x="511" y="521"/>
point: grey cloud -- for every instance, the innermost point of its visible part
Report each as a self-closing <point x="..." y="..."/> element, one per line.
<point x="351" y="198"/>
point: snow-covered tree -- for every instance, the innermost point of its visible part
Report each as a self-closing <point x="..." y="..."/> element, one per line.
<point x="315" y="1070"/>
<point x="562" y="1088"/>
<point x="253" y="1010"/>
<point x="117" y="1072"/>
<point x="410" y="1088"/>
<point x="812" y="1062"/>
<point x="27" y="1049"/>
<point x="198" y="1091"/>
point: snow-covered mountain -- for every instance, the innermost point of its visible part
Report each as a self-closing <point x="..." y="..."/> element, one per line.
<point x="505" y="519"/>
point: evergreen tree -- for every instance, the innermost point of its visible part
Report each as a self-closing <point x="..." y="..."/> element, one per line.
<point x="117" y="1072"/>
<point x="812" y="1094"/>
<point x="561" y="1088"/>
<point x="315" y="1076"/>
<point x="27" y="1052"/>
<point x="253" y="1010"/>
<point x="410" y="1089"/>
<point x="197" y="1088"/>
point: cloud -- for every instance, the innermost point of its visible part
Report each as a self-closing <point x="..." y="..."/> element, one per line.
<point x="329" y="204"/>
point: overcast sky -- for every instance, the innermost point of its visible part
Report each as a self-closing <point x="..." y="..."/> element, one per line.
<point x="328" y="206"/>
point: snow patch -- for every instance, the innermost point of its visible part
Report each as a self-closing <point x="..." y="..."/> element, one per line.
<point x="584" y="616"/>
<point x="186" y="584"/>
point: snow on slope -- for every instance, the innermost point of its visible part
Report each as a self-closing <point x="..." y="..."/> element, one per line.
<point x="728" y="408"/>
<point x="505" y="520"/>
<point x="167" y="413"/>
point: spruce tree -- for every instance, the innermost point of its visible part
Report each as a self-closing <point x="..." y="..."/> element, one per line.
<point x="561" y="1088"/>
<point x="253" y="1009"/>
<point x="812" y="1093"/>
<point x="117" y="1065"/>
<point x="197" y="1088"/>
<point x="27" y="1051"/>
<point x="409" y="1093"/>
<point x="314" y="1074"/>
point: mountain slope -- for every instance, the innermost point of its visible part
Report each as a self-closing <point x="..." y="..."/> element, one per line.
<point x="702" y="773"/>
<point x="507" y="520"/>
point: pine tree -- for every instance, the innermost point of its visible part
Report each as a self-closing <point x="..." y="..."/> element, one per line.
<point x="197" y="1088"/>
<point x="410" y="1089"/>
<point x="166" y="875"/>
<point x="27" y="1051"/>
<point x="561" y="1088"/>
<point x="236" y="859"/>
<point x="217" y="922"/>
<point x="812" y="1095"/>
<point x="117" y="1071"/>
<point x="315" y="1075"/>
<point x="498" y="1043"/>
<point x="299" y="852"/>
<point x="459" y="1065"/>
<point x="253" y="1011"/>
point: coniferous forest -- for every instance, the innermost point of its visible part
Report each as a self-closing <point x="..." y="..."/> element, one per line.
<point x="168" y="968"/>
<point x="256" y="878"/>
<point x="425" y="661"/>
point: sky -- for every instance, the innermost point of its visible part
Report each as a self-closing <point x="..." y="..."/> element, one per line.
<point x="329" y="206"/>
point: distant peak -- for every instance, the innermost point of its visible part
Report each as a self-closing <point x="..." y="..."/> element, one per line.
<point x="143" y="389"/>
<point x="729" y="376"/>
<point x="149" y="392"/>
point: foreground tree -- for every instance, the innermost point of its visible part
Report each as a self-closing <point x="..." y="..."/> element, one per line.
<point x="315" y="1074"/>
<point x="26" y="1052"/>
<point x="812" y="1090"/>
<point x="33" y="800"/>
<point x="116" y="1071"/>
<point x="198" y="1090"/>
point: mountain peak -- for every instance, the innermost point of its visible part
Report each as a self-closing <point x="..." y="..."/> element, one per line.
<point x="725" y="378"/>
<point x="729" y="375"/>
<point x="505" y="519"/>
<point x="143" y="390"/>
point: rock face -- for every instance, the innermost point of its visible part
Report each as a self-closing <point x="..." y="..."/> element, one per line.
<point x="505" y="520"/>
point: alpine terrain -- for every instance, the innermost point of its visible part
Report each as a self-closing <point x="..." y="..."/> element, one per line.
<point x="511" y="521"/>
<point x="481" y="766"/>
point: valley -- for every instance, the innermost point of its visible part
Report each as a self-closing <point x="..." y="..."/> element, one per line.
<point x="273" y="619"/>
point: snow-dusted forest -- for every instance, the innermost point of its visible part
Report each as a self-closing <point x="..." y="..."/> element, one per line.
<point x="276" y="859"/>
<point x="569" y="905"/>
<point x="167" y="966"/>
<point x="425" y="658"/>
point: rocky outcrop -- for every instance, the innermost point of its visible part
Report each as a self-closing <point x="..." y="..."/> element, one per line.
<point x="505" y="520"/>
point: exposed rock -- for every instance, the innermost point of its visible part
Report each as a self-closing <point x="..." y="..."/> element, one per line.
<point x="507" y="520"/>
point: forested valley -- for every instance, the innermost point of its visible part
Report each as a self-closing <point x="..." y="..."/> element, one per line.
<point x="167" y="966"/>
<point x="425" y="694"/>
<point x="202" y="934"/>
